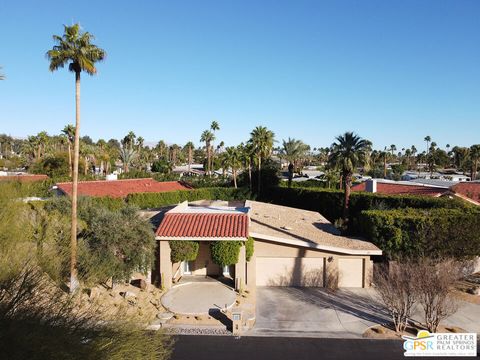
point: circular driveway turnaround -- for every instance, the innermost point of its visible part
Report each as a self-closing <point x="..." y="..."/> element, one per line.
<point x="199" y="298"/>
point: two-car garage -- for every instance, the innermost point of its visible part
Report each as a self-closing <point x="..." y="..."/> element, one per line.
<point x="286" y="265"/>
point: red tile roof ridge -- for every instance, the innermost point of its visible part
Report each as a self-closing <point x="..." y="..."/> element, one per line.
<point x="103" y="181"/>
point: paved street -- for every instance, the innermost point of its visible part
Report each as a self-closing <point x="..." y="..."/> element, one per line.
<point x="227" y="347"/>
<point x="252" y="348"/>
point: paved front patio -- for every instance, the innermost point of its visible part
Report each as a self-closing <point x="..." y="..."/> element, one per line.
<point x="199" y="296"/>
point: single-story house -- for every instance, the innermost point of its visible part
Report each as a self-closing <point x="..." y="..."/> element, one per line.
<point x="468" y="191"/>
<point x="120" y="188"/>
<point x="391" y="187"/>
<point x="292" y="247"/>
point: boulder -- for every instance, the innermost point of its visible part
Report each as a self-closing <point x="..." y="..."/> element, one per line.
<point x="140" y="283"/>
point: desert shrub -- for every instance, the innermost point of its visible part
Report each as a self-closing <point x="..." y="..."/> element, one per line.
<point x="225" y="252"/>
<point x="183" y="250"/>
<point x="115" y="244"/>
<point x="249" y="248"/>
<point x="112" y="243"/>
<point x="38" y="320"/>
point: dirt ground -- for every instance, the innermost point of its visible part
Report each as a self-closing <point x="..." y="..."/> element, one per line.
<point x="126" y="300"/>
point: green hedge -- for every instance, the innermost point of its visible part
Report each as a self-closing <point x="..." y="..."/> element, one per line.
<point x="183" y="250"/>
<point x="225" y="252"/>
<point x="249" y="248"/>
<point x="330" y="202"/>
<point x="154" y="200"/>
<point x="423" y="232"/>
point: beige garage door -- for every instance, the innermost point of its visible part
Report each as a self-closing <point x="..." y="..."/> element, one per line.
<point x="280" y="271"/>
<point x="350" y="272"/>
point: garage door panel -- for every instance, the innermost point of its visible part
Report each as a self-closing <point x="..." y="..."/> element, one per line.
<point x="289" y="271"/>
<point x="350" y="273"/>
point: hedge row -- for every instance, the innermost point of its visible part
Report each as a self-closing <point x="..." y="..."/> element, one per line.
<point x="423" y="232"/>
<point x="154" y="200"/>
<point x="330" y="202"/>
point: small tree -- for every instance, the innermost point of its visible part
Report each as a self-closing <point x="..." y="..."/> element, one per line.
<point x="114" y="243"/>
<point x="249" y="248"/>
<point x="396" y="289"/>
<point x="183" y="250"/>
<point x="225" y="252"/>
<point x="435" y="280"/>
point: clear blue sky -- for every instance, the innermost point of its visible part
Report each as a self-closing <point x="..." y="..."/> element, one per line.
<point x="393" y="71"/>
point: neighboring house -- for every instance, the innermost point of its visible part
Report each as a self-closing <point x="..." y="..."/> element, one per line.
<point x="468" y="191"/>
<point x="120" y="188"/>
<point x="390" y="187"/>
<point x="292" y="247"/>
<point x="465" y="190"/>
<point x="23" y="177"/>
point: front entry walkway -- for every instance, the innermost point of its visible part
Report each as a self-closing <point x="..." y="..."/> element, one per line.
<point x="197" y="295"/>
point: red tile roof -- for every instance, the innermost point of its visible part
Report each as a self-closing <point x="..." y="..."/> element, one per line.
<point x="203" y="225"/>
<point x="24" y="178"/>
<point x="400" y="189"/>
<point x="470" y="190"/>
<point x="121" y="188"/>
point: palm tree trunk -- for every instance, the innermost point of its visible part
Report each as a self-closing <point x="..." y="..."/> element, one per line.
<point x="235" y="178"/>
<point x="189" y="158"/>
<point x="69" y="159"/>
<point x="259" y="173"/>
<point x="73" y="235"/>
<point x="348" y="183"/>
<point x="385" y="167"/>
<point x="250" y="173"/>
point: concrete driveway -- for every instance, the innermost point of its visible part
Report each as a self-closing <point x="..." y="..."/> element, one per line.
<point x="315" y="312"/>
<point x="346" y="313"/>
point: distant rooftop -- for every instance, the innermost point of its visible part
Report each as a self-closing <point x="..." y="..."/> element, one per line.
<point x="121" y="188"/>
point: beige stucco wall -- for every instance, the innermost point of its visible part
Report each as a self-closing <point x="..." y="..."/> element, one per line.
<point x="271" y="249"/>
<point x="165" y="265"/>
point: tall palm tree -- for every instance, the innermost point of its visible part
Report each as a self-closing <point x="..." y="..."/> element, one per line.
<point x="207" y="137"/>
<point x="232" y="159"/>
<point x="69" y="132"/>
<point x="474" y="158"/>
<point x="75" y="48"/>
<point x="348" y="153"/>
<point x="128" y="156"/>
<point x="189" y="146"/>
<point x="427" y="139"/>
<point x="261" y="140"/>
<point x="214" y="126"/>
<point x="292" y="150"/>
<point x="393" y="148"/>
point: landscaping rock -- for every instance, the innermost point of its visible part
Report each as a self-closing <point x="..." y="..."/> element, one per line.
<point x="474" y="291"/>
<point x="165" y="316"/>
<point x="140" y="283"/>
<point x="128" y="294"/>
